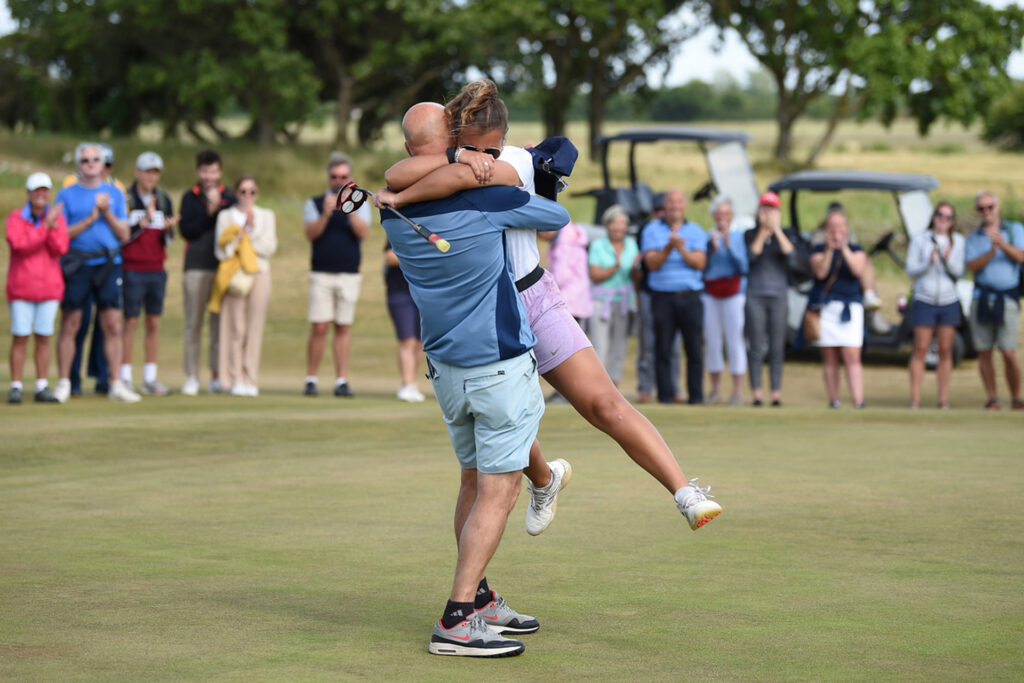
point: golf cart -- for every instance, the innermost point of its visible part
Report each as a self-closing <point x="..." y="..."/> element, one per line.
<point x="910" y="192"/>
<point x="726" y="155"/>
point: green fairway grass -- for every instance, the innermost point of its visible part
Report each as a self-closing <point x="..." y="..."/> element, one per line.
<point x="290" y="538"/>
<point x="295" y="539"/>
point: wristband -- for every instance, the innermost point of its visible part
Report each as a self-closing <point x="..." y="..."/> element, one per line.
<point x="452" y="154"/>
<point x="457" y="153"/>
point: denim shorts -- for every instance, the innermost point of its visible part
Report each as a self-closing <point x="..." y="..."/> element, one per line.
<point x="404" y="315"/>
<point x="33" y="317"/>
<point x="82" y="283"/>
<point x="144" y="288"/>
<point x="492" y="411"/>
<point x="928" y="315"/>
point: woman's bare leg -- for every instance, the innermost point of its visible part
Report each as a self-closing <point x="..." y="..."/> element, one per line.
<point x="582" y="380"/>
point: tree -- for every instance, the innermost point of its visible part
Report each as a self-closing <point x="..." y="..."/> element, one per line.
<point x="1005" y="123"/>
<point x="932" y="58"/>
<point x="561" y="46"/>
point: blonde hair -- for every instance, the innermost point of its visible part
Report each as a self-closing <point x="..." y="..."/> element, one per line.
<point x="477" y="106"/>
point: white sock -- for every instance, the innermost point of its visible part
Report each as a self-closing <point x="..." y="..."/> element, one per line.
<point x="683" y="493"/>
<point x="126" y="373"/>
<point x="311" y="378"/>
<point x="149" y="373"/>
<point x="41" y="384"/>
<point x="341" y="380"/>
<point x="15" y="385"/>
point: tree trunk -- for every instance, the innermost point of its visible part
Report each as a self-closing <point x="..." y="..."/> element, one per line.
<point x="784" y="142"/>
<point x="595" y="115"/>
<point x="843" y="108"/>
<point x="343" y="106"/>
<point x="190" y="126"/>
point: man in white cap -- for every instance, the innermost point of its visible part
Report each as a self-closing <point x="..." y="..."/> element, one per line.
<point x="37" y="235"/>
<point x="151" y="220"/>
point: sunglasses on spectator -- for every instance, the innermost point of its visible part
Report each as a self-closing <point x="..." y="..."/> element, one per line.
<point x="985" y="207"/>
<point x="245" y="190"/>
<point x="947" y="216"/>
<point x="341" y="177"/>
<point x="90" y="160"/>
<point x="493" y="151"/>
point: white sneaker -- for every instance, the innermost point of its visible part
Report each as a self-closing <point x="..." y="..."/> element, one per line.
<point x="63" y="390"/>
<point x="214" y="387"/>
<point x="871" y="299"/>
<point x="251" y="390"/>
<point x="120" y="392"/>
<point x="410" y="394"/>
<point x="191" y="387"/>
<point x="544" y="502"/>
<point x="693" y="502"/>
<point x="239" y="389"/>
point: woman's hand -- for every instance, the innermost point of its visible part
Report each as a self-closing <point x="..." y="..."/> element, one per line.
<point x="481" y="163"/>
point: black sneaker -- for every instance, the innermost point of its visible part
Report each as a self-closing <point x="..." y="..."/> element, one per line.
<point x="343" y="390"/>
<point x="310" y="389"/>
<point x="14" y="397"/>
<point x="44" y="395"/>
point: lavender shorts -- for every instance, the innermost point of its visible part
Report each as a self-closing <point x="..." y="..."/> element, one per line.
<point x="558" y="334"/>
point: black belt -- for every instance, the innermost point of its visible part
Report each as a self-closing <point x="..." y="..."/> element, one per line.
<point x="680" y="293"/>
<point x="530" y="279"/>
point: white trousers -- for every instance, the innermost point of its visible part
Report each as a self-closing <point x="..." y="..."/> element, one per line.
<point x="723" y="323"/>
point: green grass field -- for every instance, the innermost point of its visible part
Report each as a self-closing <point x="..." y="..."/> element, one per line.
<point x="287" y="538"/>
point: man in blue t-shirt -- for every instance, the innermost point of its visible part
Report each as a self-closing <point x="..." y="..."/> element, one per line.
<point x="994" y="252"/>
<point x="97" y="221"/>
<point x="675" y="253"/>
<point x="334" y="278"/>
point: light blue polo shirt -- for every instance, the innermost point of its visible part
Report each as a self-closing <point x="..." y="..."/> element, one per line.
<point x="470" y="311"/>
<point x="1001" y="273"/>
<point x="78" y="204"/>
<point x="674" y="275"/>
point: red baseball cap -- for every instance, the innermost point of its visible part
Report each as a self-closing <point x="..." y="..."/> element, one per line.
<point x="769" y="199"/>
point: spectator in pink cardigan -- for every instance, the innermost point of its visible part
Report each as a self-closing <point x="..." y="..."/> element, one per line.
<point x="37" y="235"/>
<point x="567" y="262"/>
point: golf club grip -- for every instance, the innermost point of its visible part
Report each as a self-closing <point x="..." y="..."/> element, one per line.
<point x="442" y="244"/>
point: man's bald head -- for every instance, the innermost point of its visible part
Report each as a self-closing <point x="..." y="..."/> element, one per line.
<point x="425" y="129"/>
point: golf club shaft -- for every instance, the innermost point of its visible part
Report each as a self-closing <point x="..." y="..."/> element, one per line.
<point x="442" y="245"/>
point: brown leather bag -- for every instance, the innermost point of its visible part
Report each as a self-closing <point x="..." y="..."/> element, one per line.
<point x="812" y="314"/>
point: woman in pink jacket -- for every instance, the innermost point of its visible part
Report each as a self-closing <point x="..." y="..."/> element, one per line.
<point x="37" y="235"/>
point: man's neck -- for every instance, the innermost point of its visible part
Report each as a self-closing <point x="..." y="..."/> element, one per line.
<point x="37" y="212"/>
<point x="94" y="181"/>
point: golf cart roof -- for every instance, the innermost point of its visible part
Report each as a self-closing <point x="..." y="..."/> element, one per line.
<point x="834" y="181"/>
<point x="687" y="133"/>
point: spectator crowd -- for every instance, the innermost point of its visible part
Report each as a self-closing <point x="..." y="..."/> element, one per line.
<point x="699" y="300"/>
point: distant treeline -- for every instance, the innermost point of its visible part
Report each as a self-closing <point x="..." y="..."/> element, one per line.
<point x="726" y="99"/>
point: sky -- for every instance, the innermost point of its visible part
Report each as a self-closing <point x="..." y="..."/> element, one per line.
<point x="697" y="58"/>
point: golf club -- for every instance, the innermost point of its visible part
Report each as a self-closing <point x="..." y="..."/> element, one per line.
<point x="351" y="197"/>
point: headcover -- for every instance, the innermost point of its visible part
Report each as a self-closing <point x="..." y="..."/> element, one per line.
<point x="553" y="158"/>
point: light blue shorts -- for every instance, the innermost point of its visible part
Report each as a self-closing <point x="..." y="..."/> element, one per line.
<point x="492" y="411"/>
<point x="32" y="317"/>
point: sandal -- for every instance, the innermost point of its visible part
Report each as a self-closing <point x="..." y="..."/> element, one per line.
<point x="1017" y="404"/>
<point x="993" y="404"/>
<point x="943" y="405"/>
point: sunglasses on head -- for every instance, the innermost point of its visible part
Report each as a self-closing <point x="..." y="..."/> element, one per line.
<point x="493" y="151"/>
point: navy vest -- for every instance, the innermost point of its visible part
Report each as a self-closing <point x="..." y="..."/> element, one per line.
<point x="337" y="249"/>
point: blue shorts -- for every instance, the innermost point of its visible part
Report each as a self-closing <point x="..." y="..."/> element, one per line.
<point x="927" y="315"/>
<point x="144" y="287"/>
<point x="106" y="293"/>
<point x="404" y="315"/>
<point x="33" y="317"/>
<point x="492" y="411"/>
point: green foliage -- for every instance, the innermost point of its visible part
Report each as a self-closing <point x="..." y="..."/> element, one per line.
<point x="1004" y="124"/>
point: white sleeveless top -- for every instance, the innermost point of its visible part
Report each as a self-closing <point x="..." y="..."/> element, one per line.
<point x="521" y="242"/>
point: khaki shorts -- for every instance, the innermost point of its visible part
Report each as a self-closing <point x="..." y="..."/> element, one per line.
<point x="1004" y="336"/>
<point x="333" y="296"/>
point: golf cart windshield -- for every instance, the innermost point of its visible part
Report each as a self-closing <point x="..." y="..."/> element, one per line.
<point x="726" y="156"/>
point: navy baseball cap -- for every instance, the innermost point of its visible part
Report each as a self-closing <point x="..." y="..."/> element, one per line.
<point x="553" y="159"/>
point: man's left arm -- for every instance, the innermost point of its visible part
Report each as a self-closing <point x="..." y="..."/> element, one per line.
<point x="360" y="222"/>
<point x="695" y="253"/>
<point x="116" y="215"/>
<point x="1014" y="249"/>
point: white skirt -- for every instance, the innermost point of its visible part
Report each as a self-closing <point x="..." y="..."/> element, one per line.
<point x="835" y="332"/>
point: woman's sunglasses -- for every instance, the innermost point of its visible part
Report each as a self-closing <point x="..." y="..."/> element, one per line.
<point x="493" y="151"/>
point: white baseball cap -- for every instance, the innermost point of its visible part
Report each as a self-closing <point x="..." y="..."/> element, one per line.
<point x="37" y="180"/>
<point x="149" y="160"/>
